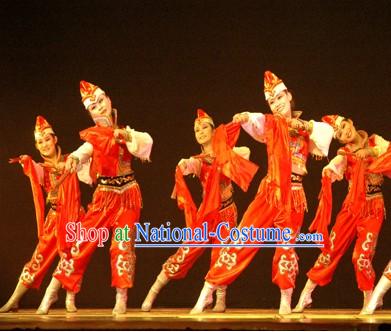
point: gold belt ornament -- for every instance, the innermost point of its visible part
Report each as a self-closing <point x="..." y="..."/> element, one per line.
<point x="296" y="178"/>
<point x="116" y="181"/>
<point x="226" y="203"/>
<point x="52" y="206"/>
<point x="373" y="189"/>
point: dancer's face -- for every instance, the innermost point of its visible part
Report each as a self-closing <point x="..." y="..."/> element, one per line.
<point x="46" y="145"/>
<point x="346" y="132"/>
<point x="281" y="104"/>
<point x="101" y="111"/>
<point x="203" y="132"/>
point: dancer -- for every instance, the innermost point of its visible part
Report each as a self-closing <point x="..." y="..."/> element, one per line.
<point x="218" y="152"/>
<point x="116" y="202"/>
<point x="280" y="201"/>
<point x="362" y="212"/>
<point x="63" y="201"/>
<point x="380" y="165"/>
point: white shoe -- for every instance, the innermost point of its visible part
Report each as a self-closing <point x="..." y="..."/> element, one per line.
<point x="121" y="299"/>
<point x="204" y="300"/>
<point x="148" y="302"/>
<point x="305" y="300"/>
<point x="376" y="300"/>
<point x="13" y="302"/>
<point x="220" y="299"/>
<point x="285" y="301"/>
<point x="367" y="295"/>
<point x="159" y="283"/>
<point x="70" y="302"/>
<point x="50" y="297"/>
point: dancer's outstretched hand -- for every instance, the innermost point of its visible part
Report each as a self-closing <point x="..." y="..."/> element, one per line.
<point x="182" y="164"/>
<point x="363" y="153"/>
<point x="19" y="159"/>
<point x="327" y="172"/>
<point x="241" y="117"/>
<point x="71" y="164"/>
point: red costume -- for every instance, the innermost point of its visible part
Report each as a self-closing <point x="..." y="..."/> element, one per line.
<point x="217" y="204"/>
<point x="63" y="202"/>
<point x="60" y="196"/>
<point x="117" y="199"/>
<point x="380" y="165"/>
<point x="287" y="156"/>
<point x="215" y="171"/>
<point x="280" y="201"/>
<point x="361" y="216"/>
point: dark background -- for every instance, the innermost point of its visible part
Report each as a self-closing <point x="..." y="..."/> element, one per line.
<point x="159" y="61"/>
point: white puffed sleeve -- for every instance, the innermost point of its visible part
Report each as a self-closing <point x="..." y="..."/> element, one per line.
<point x="242" y="151"/>
<point x="83" y="154"/>
<point x="381" y="145"/>
<point x="320" y="138"/>
<point x="83" y="172"/>
<point x="193" y="166"/>
<point x="255" y="126"/>
<point x="337" y="166"/>
<point x="140" y="145"/>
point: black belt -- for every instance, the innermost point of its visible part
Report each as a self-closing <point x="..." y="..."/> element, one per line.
<point x="373" y="189"/>
<point x="226" y="203"/>
<point x="296" y="178"/>
<point x="116" y="181"/>
<point x="52" y="206"/>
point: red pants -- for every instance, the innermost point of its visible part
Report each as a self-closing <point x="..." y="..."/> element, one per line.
<point x="110" y="209"/>
<point x="260" y="214"/>
<point x="365" y="226"/>
<point x="46" y="251"/>
<point x="178" y="265"/>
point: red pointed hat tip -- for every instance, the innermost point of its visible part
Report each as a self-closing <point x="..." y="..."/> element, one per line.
<point x="269" y="76"/>
<point x="87" y="89"/>
<point x="268" y="73"/>
<point x="40" y="119"/>
<point x="201" y="113"/>
<point x="330" y="119"/>
<point x="41" y="123"/>
<point x="85" y="86"/>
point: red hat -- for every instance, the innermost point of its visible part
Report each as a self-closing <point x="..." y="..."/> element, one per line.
<point x="42" y="127"/>
<point x="202" y="116"/>
<point x="334" y="121"/>
<point x="272" y="85"/>
<point x="89" y="93"/>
